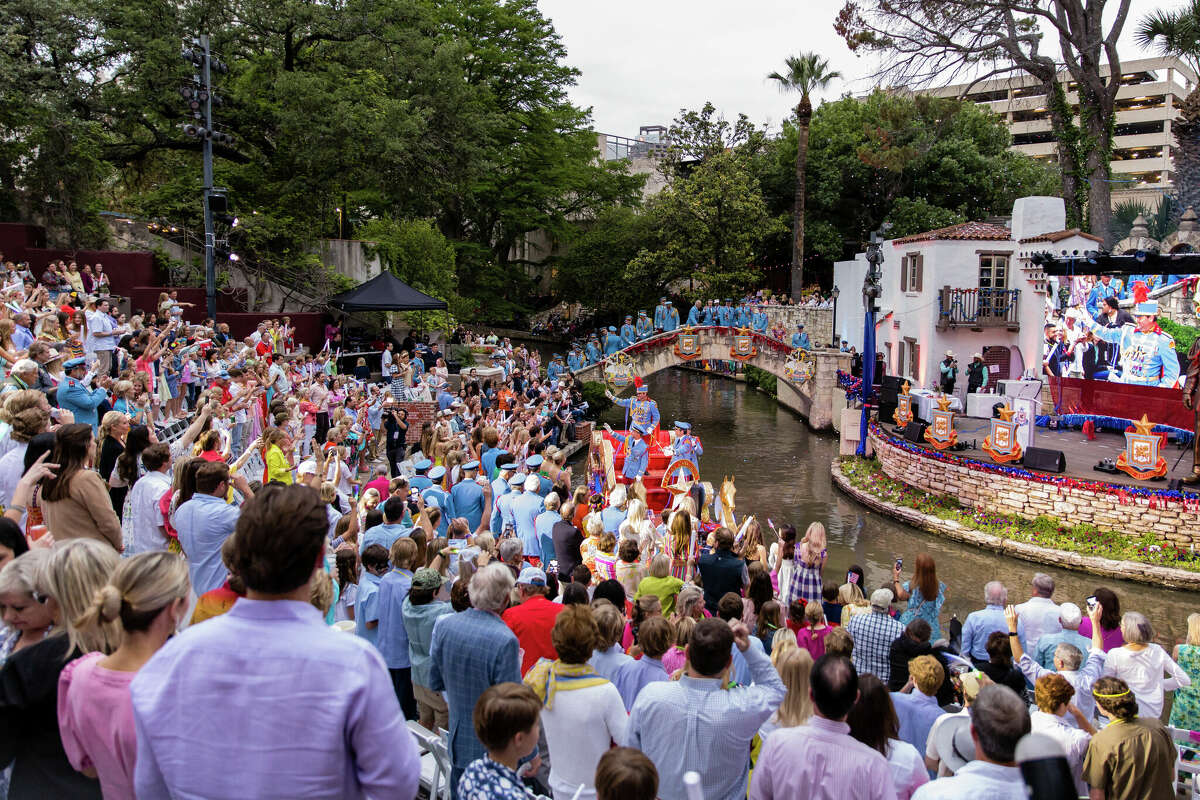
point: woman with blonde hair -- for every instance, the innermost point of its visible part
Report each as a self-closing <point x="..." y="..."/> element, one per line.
<point x="26" y="621"/>
<point x="783" y="641"/>
<point x="682" y="540"/>
<point x="660" y="582"/>
<point x="850" y="598"/>
<point x="30" y="735"/>
<point x="749" y="545"/>
<point x="808" y="563"/>
<point x="8" y="350"/>
<point x="676" y="658"/>
<point x="1185" y="706"/>
<point x="794" y="667"/>
<point x="146" y="597"/>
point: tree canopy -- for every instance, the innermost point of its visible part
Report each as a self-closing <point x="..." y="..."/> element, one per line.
<point x="389" y="110"/>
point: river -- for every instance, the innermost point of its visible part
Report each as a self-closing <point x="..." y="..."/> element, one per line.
<point x="782" y="473"/>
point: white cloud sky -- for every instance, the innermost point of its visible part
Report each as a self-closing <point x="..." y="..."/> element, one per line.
<point x="643" y="60"/>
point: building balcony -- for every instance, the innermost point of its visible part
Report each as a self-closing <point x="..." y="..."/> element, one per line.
<point x="978" y="309"/>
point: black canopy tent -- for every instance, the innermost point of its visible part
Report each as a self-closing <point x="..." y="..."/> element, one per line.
<point x="386" y="292"/>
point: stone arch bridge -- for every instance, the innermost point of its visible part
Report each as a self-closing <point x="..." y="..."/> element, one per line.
<point x="814" y="399"/>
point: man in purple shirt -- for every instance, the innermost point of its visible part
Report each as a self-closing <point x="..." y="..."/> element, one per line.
<point x="266" y="701"/>
<point x="822" y="753"/>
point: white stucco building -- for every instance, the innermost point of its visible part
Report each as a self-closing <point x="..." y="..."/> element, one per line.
<point x="969" y="288"/>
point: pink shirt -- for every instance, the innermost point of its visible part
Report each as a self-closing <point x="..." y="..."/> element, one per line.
<point x="819" y="754"/>
<point x="95" y="719"/>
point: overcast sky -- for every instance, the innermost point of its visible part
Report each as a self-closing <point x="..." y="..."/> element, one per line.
<point x="643" y="60"/>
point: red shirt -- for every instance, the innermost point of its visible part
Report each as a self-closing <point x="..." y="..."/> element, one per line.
<point x="532" y="622"/>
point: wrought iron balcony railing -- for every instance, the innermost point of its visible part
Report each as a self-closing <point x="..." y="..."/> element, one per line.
<point x="978" y="308"/>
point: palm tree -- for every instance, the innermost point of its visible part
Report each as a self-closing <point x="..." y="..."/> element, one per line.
<point x="1177" y="33"/>
<point x="805" y="73"/>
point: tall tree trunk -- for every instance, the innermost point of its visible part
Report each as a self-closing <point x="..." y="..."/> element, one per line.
<point x="1099" y="132"/>
<point x="1187" y="154"/>
<point x="803" y="118"/>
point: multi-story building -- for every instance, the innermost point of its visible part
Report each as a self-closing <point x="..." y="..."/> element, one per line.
<point x="1152" y="89"/>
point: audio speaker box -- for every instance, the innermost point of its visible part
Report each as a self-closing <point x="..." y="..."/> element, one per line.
<point x="915" y="431"/>
<point x="1044" y="459"/>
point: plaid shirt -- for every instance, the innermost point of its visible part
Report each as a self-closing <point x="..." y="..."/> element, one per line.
<point x="470" y="651"/>
<point x="873" y="636"/>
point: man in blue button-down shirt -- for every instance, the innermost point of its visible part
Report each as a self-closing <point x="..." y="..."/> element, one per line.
<point x="981" y="624"/>
<point x="393" y="639"/>
<point x="204" y="523"/>
<point x="917" y="710"/>
<point x="696" y="723"/>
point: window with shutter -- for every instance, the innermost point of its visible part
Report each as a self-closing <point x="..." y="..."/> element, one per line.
<point x="904" y="274"/>
<point x="919" y="271"/>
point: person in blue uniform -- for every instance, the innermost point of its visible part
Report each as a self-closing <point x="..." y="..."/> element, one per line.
<point x="574" y="359"/>
<point x="612" y="341"/>
<point x="709" y="315"/>
<point x="642" y="410"/>
<point x="800" y="338"/>
<point x="645" y="328"/>
<point x="1147" y="352"/>
<point x="421" y="480"/>
<point x="534" y="464"/>
<point x="637" y="453"/>
<point x="671" y="320"/>
<point x="744" y="317"/>
<point x="506" y="466"/>
<point x="727" y="314"/>
<point x="436" y="495"/>
<point x="685" y="448"/>
<point x="75" y="396"/>
<point x="758" y="321"/>
<point x="1095" y="300"/>
<point x="467" y="496"/>
<point x="628" y="332"/>
<point x="554" y="368"/>
<point x="593" y="349"/>
<point x="660" y="314"/>
<point x="693" y="319"/>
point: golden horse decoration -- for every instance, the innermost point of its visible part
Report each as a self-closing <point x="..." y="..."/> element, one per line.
<point x="728" y="506"/>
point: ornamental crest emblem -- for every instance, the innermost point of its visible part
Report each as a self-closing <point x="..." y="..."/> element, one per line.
<point x="903" y="413"/>
<point x="799" y="366"/>
<point x="1001" y="443"/>
<point x="619" y="370"/>
<point x="1141" y="459"/>
<point x="941" y="433"/>
<point x="743" y="348"/>
<point x="687" y="345"/>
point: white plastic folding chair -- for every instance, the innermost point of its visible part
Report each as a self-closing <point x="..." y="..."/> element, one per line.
<point x="1187" y="784"/>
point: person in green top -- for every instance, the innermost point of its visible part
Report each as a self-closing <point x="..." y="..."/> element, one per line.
<point x="660" y="583"/>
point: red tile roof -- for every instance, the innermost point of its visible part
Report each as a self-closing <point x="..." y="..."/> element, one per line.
<point x="1058" y="236"/>
<point x="967" y="231"/>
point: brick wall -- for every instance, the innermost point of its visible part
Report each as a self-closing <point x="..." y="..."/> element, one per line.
<point x="1170" y="521"/>
<point x="418" y="414"/>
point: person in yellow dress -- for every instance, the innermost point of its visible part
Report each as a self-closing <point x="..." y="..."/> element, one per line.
<point x="277" y="455"/>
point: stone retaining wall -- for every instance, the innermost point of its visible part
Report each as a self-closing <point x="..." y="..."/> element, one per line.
<point x="1095" y="565"/>
<point x="818" y="322"/>
<point x="1172" y="522"/>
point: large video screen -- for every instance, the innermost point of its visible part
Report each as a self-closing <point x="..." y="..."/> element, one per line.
<point x="1093" y="330"/>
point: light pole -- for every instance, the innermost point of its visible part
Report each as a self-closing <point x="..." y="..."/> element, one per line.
<point x="871" y="291"/>
<point x="834" y="294"/>
<point x="200" y="100"/>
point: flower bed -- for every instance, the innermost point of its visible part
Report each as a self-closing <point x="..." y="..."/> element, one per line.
<point x="1086" y="540"/>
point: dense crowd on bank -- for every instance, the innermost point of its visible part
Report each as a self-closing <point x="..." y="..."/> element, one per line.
<point x="258" y="601"/>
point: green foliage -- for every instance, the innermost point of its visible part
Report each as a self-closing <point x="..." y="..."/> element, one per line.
<point x="1173" y="32"/>
<point x="805" y="74"/>
<point x="909" y="216"/>
<point x="762" y="379"/>
<point x="345" y="113"/>
<point x="946" y="160"/>
<point x="1043" y="531"/>
<point x="1160" y="221"/>
<point x="595" y="264"/>
<point x="594" y="395"/>
<point x="1184" y="335"/>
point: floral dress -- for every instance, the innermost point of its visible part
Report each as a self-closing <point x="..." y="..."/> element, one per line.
<point x="1185" y="708"/>
<point x="928" y="610"/>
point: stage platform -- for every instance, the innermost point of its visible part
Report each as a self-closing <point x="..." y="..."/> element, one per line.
<point x="1081" y="454"/>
